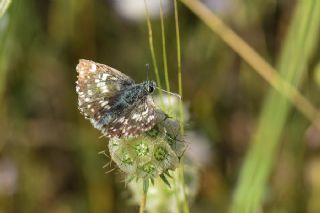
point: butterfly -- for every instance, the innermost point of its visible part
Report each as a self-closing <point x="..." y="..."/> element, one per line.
<point x="113" y="102"/>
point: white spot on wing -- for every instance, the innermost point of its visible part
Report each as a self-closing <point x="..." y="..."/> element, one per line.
<point x="90" y="92"/>
<point x="104" y="76"/>
<point x="125" y="122"/>
<point x="135" y="116"/>
<point x="101" y="84"/>
<point x="103" y="103"/>
<point x="104" y="89"/>
<point x="93" y="68"/>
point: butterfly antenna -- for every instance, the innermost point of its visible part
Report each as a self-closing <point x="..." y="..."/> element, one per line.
<point x="147" y="70"/>
<point x="171" y="93"/>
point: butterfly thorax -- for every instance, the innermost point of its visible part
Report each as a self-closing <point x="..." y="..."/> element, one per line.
<point x="132" y="95"/>
<point x="136" y="92"/>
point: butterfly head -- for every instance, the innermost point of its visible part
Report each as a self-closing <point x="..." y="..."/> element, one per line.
<point x="149" y="86"/>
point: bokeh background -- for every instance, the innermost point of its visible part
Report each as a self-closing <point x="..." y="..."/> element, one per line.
<point x="49" y="159"/>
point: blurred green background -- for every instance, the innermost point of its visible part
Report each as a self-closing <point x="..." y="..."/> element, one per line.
<point x="49" y="159"/>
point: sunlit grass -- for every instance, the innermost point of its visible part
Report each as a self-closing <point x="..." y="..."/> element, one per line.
<point x="4" y="5"/>
<point x="164" y="49"/>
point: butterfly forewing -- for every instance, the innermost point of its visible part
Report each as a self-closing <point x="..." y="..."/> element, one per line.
<point x="100" y="88"/>
<point x="96" y="85"/>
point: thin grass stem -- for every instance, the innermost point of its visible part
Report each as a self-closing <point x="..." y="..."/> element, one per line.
<point x="181" y="111"/>
<point x="164" y="49"/>
<point x="179" y="66"/>
<point x="153" y="55"/>
<point x="143" y="202"/>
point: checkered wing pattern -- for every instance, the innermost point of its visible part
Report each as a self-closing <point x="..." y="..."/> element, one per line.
<point x="101" y="93"/>
<point x="97" y="85"/>
<point x="135" y="121"/>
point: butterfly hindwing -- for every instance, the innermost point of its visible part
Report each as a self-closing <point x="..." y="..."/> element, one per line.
<point x="135" y="121"/>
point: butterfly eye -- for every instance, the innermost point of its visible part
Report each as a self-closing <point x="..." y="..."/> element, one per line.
<point x="151" y="88"/>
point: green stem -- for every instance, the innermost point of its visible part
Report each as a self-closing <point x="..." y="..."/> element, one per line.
<point x="143" y="202"/>
<point x="153" y="55"/>
<point x="164" y="49"/>
<point x="154" y="60"/>
<point x="179" y="66"/>
<point x="181" y="111"/>
<point x="145" y="187"/>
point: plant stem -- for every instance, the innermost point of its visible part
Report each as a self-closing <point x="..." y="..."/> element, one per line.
<point x="143" y="202"/>
<point x="181" y="178"/>
<point x="181" y="111"/>
<point x="179" y="66"/>
<point x="145" y="187"/>
<point x="154" y="60"/>
<point x="164" y="49"/>
<point x="177" y="190"/>
<point x="153" y="55"/>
